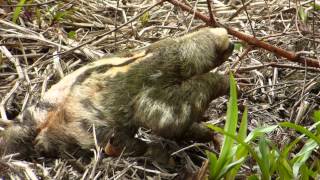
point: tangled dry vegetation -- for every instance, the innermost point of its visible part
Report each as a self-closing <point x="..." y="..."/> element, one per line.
<point x="44" y="40"/>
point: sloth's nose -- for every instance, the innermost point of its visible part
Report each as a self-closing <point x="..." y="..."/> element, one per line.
<point x="230" y="47"/>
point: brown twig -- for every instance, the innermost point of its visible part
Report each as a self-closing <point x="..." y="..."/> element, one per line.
<point x="212" y="19"/>
<point x="274" y="64"/>
<point x="248" y="17"/>
<point x="291" y="56"/>
<point x="239" y="10"/>
<point x="203" y="170"/>
<point x="244" y="53"/>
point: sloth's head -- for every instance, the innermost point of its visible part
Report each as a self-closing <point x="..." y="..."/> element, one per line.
<point x="17" y="138"/>
<point x="204" y="50"/>
<point x="172" y="60"/>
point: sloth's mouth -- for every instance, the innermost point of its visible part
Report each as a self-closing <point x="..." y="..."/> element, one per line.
<point x="230" y="48"/>
<point x="224" y="55"/>
<point x="228" y="52"/>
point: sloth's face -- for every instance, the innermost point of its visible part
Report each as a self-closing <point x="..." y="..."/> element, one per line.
<point x="225" y="54"/>
<point x="204" y="50"/>
<point x="175" y="60"/>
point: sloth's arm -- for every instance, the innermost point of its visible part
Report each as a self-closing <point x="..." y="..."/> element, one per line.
<point x="171" y="111"/>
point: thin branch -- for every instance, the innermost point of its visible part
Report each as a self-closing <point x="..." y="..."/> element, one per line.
<point x="274" y="64"/>
<point x="248" y="17"/>
<point x="239" y="10"/>
<point x="212" y="19"/>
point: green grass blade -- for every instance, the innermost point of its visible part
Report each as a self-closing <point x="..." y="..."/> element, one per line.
<point x="243" y="125"/>
<point x="230" y="127"/>
<point x="303" y="155"/>
<point x="307" y="173"/>
<point x="229" y="167"/>
<point x="287" y="149"/>
<point x="245" y="144"/>
<point x="237" y="139"/>
<point x="316" y="119"/>
<point x="284" y="168"/>
<point x="212" y="163"/>
<point x="316" y="116"/>
<point x="17" y="11"/>
<point x="303" y="14"/>
<point x="315" y="6"/>
<point x="259" y="132"/>
<point x="265" y="158"/>
<point x="301" y="129"/>
<point x="253" y="177"/>
<point x="241" y="151"/>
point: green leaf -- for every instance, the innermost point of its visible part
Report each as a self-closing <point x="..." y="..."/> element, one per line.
<point x="59" y="16"/>
<point x="316" y="119"/>
<point x="302" y="14"/>
<point x="260" y="131"/>
<point x="316" y="6"/>
<point x="284" y="168"/>
<point x="273" y="160"/>
<point x="253" y="177"/>
<point x="302" y="130"/>
<point x="303" y="155"/>
<point x="236" y="138"/>
<point x="316" y="116"/>
<point x="244" y="125"/>
<point x="237" y="46"/>
<point x="229" y="167"/>
<point x="145" y="18"/>
<point x="230" y="128"/>
<point x="265" y="157"/>
<point x="72" y="34"/>
<point x="38" y="16"/>
<point x="306" y="172"/>
<point x="287" y="149"/>
<point x="241" y="151"/>
<point x="247" y="146"/>
<point x="212" y="163"/>
<point x="17" y="11"/>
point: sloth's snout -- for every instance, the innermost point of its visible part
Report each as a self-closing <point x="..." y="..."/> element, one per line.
<point x="230" y="47"/>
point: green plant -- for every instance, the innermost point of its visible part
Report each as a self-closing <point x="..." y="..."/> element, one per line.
<point x="144" y="19"/>
<point x="284" y="163"/>
<point x="17" y="11"/>
<point x="233" y="155"/>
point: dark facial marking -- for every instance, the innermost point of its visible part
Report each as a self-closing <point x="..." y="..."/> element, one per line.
<point x="45" y="105"/>
<point x="87" y="103"/>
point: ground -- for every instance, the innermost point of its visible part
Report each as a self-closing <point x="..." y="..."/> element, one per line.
<point x="44" y="40"/>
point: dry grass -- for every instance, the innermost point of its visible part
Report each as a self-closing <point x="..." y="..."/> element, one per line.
<point x="53" y="38"/>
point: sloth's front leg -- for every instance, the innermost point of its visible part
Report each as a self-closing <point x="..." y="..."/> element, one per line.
<point x="126" y="143"/>
<point x="171" y="111"/>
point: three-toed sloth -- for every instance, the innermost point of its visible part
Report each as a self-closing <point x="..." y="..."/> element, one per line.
<point x="165" y="87"/>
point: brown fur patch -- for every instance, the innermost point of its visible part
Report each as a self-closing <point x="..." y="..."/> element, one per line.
<point x="54" y="118"/>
